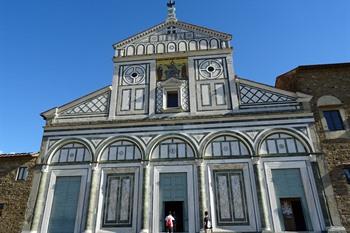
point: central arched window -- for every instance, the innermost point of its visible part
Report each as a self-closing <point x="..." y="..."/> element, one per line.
<point x="172" y="148"/>
<point x="121" y="150"/>
<point x="226" y="146"/>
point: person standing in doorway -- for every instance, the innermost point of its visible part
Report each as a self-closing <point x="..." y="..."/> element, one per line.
<point x="207" y="223"/>
<point x="169" y="223"/>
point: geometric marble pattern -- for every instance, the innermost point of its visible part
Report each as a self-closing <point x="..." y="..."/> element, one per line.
<point x="230" y="198"/>
<point x="97" y="104"/>
<point x="252" y="134"/>
<point x="184" y="96"/>
<point x="211" y="69"/>
<point x="302" y="130"/>
<point x="184" y="99"/>
<point x="253" y="95"/>
<point x="118" y="200"/>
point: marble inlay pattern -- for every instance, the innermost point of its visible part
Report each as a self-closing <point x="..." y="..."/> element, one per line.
<point x="125" y="199"/>
<point x="96" y="105"/>
<point x="225" y="212"/>
<point x="230" y="198"/>
<point x="237" y="196"/>
<point x="254" y="95"/>
<point x="118" y="200"/>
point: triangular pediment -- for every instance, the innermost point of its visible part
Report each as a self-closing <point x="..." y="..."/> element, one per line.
<point x="253" y="93"/>
<point x="164" y="32"/>
<point x="172" y="82"/>
<point x="95" y="103"/>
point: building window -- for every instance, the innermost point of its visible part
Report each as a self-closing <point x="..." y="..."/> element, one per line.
<point x="22" y="173"/>
<point x="2" y="206"/>
<point x="347" y="174"/>
<point x="118" y="200"/>
<point x="334" y="120"/>
<point x="172" y="99"/>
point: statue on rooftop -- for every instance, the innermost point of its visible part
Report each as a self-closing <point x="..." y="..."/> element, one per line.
<point x="171" y="3"/>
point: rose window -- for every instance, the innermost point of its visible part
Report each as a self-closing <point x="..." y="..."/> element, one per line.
<point x="134" y="75"/>
<point x="210" y="69"/>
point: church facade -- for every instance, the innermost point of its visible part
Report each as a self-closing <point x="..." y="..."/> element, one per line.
<point x="178" y="131"/>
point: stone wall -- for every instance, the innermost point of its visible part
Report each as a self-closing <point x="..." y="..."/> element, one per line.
<point x="14" y="193"/>
<point x="321" y="80"/>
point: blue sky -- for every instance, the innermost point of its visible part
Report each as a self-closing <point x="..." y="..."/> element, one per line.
<point x="54" y="51"/>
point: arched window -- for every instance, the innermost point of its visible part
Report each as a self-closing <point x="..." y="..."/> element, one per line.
<point x="140" y="50"/>
<point x="214" y="44"/>
<point x="332" y="114"/>
<point x="160" y="48"/>
<point x="281" y="143"/>
<point x="171" y="47"/>
<point x="203" y="45"/>
<point x="130" y="51"/>
<point x="121" y="150"/>
<point x="150" y="49"/>
<point x="182" y="46"/>
<point x="226" y="146"/>
<point x="72" y="153"/>
<point x="172" y="148"/>
<point x="193" y="45"/>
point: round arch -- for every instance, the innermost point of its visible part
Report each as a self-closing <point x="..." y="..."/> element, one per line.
<point x="161" y="138"/>
<point x="66" y="141"/>
<point x="212" y="136"/>
<point x="328" y="100"/>
<point x="262" y="136"/>
<point x="111" y="140"/>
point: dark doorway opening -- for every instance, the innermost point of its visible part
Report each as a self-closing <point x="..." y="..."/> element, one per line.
<point x="176" y="208"/>
<point x="293" y="215"/>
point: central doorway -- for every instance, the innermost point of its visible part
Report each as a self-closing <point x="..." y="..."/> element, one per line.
<point x="173" y="190"/>
<point x="173" y="198"/>
<point x="176" y="208"/>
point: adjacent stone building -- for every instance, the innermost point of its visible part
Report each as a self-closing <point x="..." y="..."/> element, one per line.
<point x="178" y="131"/>
<point x="329" y="85"/>
<point x="16" y="172"/>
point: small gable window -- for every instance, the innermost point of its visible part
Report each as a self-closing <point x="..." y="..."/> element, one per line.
<point x="2" y="206"/>
<point x="334" y="120"/>
<point x="347" y="174"/>
<point x="22" y="173"/>
<point x="172" y="99"/>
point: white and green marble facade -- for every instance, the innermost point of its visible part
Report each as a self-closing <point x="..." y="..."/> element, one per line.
<point x="230" y="137"/>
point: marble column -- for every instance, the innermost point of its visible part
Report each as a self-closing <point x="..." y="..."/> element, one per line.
<point x="147" y="198"/>
<point x="40" y="202"/>
<point x="93" y="199"/>
<point x="202" y="192"/>
<point x="263" y="195"/>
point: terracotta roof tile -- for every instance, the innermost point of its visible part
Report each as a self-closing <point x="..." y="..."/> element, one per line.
<point x="10" y="155"/>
